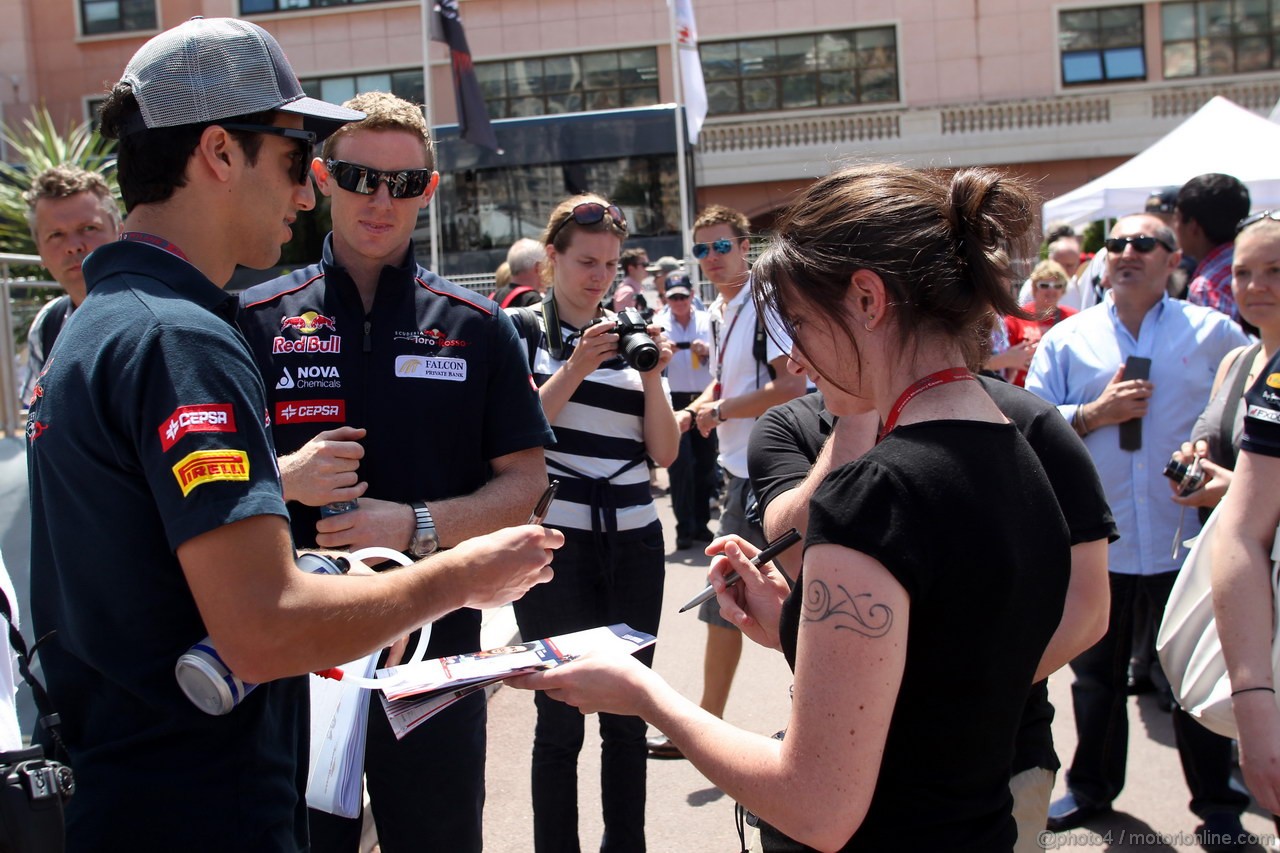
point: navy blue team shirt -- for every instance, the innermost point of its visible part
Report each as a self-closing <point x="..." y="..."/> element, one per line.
<point x="434" y="372"/>
<point x="147" y="429"/>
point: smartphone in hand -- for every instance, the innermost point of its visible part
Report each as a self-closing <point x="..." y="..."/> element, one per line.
<point x="1135" y="367"/>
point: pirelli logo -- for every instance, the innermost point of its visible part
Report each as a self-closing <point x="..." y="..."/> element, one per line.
<point x="205" y="466"/>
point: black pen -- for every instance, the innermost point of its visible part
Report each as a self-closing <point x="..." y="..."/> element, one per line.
<point x="544" y="503"/>
<point x="770" y="551"/>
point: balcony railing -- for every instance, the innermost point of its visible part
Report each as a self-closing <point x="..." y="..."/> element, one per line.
<point x="1117" y="122"/>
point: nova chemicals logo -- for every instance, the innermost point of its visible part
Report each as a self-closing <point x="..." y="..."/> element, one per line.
<point x="310" y="376"/>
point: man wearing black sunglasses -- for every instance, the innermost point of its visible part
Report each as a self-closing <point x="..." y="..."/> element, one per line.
<point x="157" y="512"/>
<point x="393" y="386"/>
<point x="1080" y="367"/>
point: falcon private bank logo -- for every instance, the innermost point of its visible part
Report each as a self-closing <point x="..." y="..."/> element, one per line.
<point x="308" y="323"/>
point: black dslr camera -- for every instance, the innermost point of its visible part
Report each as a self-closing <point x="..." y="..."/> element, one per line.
<point x="1188" y="477"/>
<point x="32" y="795"/>
<point x="634" y="344"/>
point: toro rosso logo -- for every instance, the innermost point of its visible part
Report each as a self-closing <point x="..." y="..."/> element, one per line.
<point x="211" y="417"/>
<point x="308" y="322"/>
<point x="311" y="411"/>
<point x="431" y="338"/>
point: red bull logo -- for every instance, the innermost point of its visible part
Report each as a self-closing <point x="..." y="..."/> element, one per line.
<point x="308" y="323"/>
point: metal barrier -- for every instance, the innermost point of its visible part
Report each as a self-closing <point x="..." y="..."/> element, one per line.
<point x="11" y="411"/>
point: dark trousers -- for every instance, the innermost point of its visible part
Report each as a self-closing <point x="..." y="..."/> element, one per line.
<point x="586" y="594"/>
<point x="693" y="476"/>
<point x="1099" y="695"/>
<point x="426" y="791"/>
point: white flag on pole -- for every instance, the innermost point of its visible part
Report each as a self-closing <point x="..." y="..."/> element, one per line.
<point x="695" y="90"/>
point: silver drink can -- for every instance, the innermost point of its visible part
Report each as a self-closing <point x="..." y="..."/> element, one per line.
<point x="208" y="682"/>
<point x="203" y="676"/>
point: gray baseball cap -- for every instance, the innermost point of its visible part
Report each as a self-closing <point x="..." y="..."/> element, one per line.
<point x="217" y="68"/>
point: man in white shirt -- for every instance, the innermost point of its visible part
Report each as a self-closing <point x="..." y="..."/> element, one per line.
<point x="748" y="376"/>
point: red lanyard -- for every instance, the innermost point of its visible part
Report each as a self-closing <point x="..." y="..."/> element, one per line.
<point x="933" y="380"/>
<point x="153" y="240"/>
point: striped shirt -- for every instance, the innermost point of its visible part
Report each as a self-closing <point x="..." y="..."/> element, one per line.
<point x="599" y="432"/>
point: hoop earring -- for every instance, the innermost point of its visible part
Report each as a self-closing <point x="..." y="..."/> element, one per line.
<point x="867" y="325"/>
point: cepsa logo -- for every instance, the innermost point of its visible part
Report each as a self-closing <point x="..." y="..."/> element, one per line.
<point x="210" y="417"/>
<point x="311" y="411"/>
<point x="206" y="466"/>
<point x="307" y="323"/>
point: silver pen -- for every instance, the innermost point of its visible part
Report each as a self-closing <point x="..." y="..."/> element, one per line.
<point x="770" y="551"/>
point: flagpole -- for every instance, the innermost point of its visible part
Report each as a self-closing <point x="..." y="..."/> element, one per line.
<point x="433" y="208"/>
<point x="682" y="153"/>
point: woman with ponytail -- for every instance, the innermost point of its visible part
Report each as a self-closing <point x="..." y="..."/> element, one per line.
<point x="915" y="627"/>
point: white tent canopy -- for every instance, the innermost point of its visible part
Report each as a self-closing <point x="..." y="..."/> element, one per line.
<point x="1221" y="137"/>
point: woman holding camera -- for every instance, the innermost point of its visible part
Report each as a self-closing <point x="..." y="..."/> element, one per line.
<point x="916" y="626"/>
<point x="608" y="417"/>
<point x="1215" y="439"/>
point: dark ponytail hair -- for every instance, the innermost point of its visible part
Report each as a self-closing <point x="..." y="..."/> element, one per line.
<point x="941" y="243"/>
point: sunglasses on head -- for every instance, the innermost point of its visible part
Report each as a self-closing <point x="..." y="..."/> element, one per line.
<point x="1051" y="285"/>
<point x="1273" y="215"/>
<point x="306" y="143"/>
<point x="401" y="183"/>
<point x="590" y="213"/>
<point x="723" y="246"/>
<point x="1143" y="243"/>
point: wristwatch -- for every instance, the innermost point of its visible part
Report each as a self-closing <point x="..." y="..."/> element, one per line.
<point x="719" y="414"/>
<point x="425" y="541"/>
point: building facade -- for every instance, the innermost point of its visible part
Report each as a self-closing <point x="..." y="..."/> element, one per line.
<point x="1057" y="91"/>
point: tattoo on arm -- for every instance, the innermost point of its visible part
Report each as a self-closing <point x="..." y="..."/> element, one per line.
<point x="846" y="610"/>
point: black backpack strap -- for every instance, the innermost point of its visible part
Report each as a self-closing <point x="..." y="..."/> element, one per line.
<point x="528" y="328"/>
<point x="48" y="720"/>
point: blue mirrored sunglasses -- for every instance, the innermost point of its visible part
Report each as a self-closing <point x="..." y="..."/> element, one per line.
<point x="723" y="246"/>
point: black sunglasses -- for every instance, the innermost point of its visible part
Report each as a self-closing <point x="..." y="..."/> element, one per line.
<point x="401" y="183"/>
<point x="589" y="213"/>
<point x="723" y="246"/>
<point x="1273" y="215"/>
<point x="1143" y="243"/>
<point x="306" y="143"/>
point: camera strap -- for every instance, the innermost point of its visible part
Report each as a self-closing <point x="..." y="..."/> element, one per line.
<point x="48" y="720"/>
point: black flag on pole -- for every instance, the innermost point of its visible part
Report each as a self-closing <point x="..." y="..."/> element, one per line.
<point x="473" y="117"/>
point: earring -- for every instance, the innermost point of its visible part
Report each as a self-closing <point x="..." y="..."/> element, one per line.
<point x="870" y="319"/>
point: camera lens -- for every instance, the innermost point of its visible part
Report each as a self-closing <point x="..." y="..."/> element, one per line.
<point x="1175" y="470"/>
<point x="640" y="351"/>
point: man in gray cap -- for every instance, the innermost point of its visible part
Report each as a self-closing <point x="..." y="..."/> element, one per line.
<point x="157" y="512"/>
